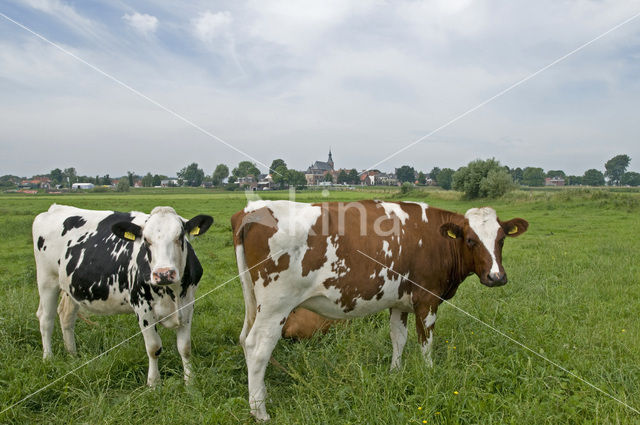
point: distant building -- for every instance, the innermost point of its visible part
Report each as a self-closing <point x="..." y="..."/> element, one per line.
<point x="554" y="181"/>
<point x="386" y="179"/>
<point x="83" y="186"/>
<point x="317" y="171"/>
<point x="265" y="182"/>
<point x="169" y="183"/>
<point x="36" y="182"/>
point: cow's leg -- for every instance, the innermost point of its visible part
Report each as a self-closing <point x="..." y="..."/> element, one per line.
<point x="398" y="330"/>
<point x="47" y="313"/>
<point x="68" y="312"/>
<point x="153" y="345"/>
<point x="425" y="322"/>
<point x="183" y="337"/>
<point x="258" y="346"/>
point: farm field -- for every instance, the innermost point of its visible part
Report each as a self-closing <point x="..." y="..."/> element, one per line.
<point x="573" y="296"/>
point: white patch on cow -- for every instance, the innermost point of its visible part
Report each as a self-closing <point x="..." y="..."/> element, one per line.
<point x="295" y="220"/>
<point x="484" y="221"/>
<point x="420" y="243"/>
<point x="426" y="349"/>
<point x="390" y="207"/>
<point x="430" y="319"/>
<point x="373" y="275"/>
<point x="423" y="206"/>
<point x="386" y="249"/>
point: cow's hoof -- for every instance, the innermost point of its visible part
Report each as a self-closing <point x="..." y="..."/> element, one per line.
<point x="261" y="416"/>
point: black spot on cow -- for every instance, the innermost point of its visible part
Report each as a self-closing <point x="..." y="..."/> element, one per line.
<point x="145" y="323"/>
<point x="40" y="243"/>
<point x="158" y="352"/>
<point x="283" y="321"/>
<point x="380" y="294"/>
<point x="99" y="269"/>
<point x="192" y="271"/>
<point x="73" y="222"/>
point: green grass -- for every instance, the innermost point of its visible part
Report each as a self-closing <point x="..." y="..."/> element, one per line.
<point x="573" y="297"/>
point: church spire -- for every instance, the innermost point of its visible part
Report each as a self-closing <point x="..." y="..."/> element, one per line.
<point x="330" y="160"/>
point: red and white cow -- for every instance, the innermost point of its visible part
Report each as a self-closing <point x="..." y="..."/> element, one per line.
<point x="315" y="256"/>
<point x="109" y="262"/>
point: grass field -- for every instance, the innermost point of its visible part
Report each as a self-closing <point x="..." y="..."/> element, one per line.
<point x="573" y="297"/>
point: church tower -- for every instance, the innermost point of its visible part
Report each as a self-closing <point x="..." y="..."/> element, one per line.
<point x="330" y="160"/>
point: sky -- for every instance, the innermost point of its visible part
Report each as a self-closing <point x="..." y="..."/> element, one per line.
<point x="291" y="80"/>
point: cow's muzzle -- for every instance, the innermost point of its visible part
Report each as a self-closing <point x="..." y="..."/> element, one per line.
<point x="164" y="276"/>
<point x="495" y="279"/>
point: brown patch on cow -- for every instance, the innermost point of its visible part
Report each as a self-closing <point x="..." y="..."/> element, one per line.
<point x="303" y="324"/>
<point x="259" y="306"/>
<point x="253" y="230"/>
<point x="284" y="319"/>
<point x="315" y="256"/>
<point x="380" y="294"/>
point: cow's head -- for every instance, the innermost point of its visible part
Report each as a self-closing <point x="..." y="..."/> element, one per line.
<point x="164" y="237"/>
<point x="481" y="238"/>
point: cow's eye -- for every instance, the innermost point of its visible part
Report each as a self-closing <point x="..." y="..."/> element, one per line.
<point x="471" y="242"/>
<point x="501" y="241"/>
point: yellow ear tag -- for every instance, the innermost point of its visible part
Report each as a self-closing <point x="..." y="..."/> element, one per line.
<point x="513" y="231"/>
<point x="451" y="234"/>
<point x="130" y="236"/>
<point x="195" y="231"/>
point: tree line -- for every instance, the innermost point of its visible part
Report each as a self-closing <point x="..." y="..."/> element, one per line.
<point x="489" y="177"/>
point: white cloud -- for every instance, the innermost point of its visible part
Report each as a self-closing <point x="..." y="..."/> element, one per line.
<point x="142" y="23"/>
<point x="209" y="26"/>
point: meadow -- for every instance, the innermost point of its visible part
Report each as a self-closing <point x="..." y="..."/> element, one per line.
<point x="573" y="297"/>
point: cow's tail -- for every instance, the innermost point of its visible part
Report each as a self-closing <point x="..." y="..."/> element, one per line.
<point x="250" y="306"/>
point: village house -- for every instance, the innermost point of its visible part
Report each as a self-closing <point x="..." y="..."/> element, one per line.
<point x="554" y="181"/>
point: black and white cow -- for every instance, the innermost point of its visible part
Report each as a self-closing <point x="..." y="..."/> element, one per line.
<point x="109" y="262"/>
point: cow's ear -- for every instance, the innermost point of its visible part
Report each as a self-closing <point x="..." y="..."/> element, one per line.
<point x="127" y="230"/>
<point x="198" y="224"/>
<point x="514" y="227"/>
<point x="450" y="230"/>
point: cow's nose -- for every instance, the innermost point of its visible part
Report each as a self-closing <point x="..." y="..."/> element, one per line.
<point x="164" y="275"/>
<point x="498" y="278"/>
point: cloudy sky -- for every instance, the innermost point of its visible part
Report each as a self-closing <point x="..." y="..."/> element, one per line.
<point x="291" y="79"/>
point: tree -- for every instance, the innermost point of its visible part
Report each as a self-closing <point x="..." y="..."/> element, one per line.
<point x="556" y="173"/>
<point x="245" y="169"/>
<point x="497" y="183"/>
<point x="631" y="179"/>
<point x="131" y="177"/>
<point x="516" y="175"/>
<point x="573" y="180"/>
<point x="296" y="178"/>
<point x="275" y="164"/>
<point x="445" y="178"/>
<point x="280" y="176"/>
<point x="56" y="176"/>
<point x="482" y="179"/>
<point x="157" y="179"/>
<point x="70" y="175"/>
<point x="422" y="178"/>
<point x="192" y="175"/>
<point x="533" y="176"/>
<point x="328" y="177"/>
<point x="354" y="177"/>
<point x="106" y="180"/>
<point x="593" y="177"/>
<point x="147" y="180"/>
<point x="406" y="174"/>
<point x="615" y="168"/>
<point x="123" y="185"/>
<point x="219" y="174"/>
<point x="343" y="177"/>
<point x="433" y="174"/>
